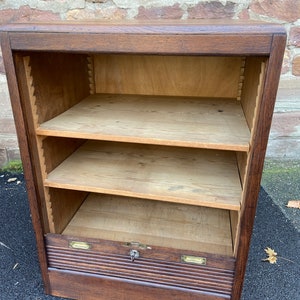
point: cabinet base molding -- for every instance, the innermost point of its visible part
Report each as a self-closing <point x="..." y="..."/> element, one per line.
<point x="77" y="285"/>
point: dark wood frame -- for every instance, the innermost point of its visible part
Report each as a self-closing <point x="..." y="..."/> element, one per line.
<point x="185" y="38"/>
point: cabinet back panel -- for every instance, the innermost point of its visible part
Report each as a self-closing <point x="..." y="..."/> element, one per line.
<point x="168" y="75"/>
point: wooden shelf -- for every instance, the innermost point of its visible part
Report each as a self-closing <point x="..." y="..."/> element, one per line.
<point x="176" y="121"/>
<point x="153" y="223"/>
<point x="190" y="176"/>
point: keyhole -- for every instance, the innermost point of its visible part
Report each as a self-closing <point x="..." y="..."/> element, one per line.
<point x="134" y="254"/>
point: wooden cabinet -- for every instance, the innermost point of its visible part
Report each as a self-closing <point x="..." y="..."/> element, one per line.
<point x="143" y="148"/>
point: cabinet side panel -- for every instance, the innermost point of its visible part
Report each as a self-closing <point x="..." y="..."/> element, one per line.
<point x="61" y="206"/>
<point x="252" y="87"/>
<point x="29" y="172"/>
<point x="242" y="159"/>
<point x="234" y="222"/>
<point x="49" y="84"/>
<point x="262" y="124"/>
<point x="251" y="97"/>
<point x="60" y="80"/>
<point x="56" y="150"/>
<point x="64" y="204"/>
<point x="168" y="75"/>
<point x="29" y="110"/>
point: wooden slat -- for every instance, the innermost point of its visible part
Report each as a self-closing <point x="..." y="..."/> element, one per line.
<point x="153" y="223"/>
<point x="190" y="176"/>
<point x="169" y="75"/>
<point x="192" y="122"/>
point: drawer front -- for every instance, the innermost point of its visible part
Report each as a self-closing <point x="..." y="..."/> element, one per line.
<point x="140" y="264"/>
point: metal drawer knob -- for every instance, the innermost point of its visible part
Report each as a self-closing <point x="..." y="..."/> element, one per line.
<point x="134" y="254"/>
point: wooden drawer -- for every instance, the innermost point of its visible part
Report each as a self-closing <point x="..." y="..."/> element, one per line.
<point x="157" y="267"/>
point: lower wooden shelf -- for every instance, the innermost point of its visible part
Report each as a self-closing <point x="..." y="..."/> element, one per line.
<point x="153" y="223"/>
<point x="182" y="175"/>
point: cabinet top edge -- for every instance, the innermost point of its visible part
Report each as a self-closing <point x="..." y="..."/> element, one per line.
<point x="149" y="27"/>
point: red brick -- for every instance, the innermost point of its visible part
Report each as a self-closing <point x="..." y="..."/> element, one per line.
<point x="165" y="12"/>
<point x="212" y="10"/>
<point x="111" y="13"/>
<point x="25" y="14"/>
<point x="285" y="10"/>
<point x="294" y="38"/>
<point x="296" y="66"/>
<point x="244" y="14"/>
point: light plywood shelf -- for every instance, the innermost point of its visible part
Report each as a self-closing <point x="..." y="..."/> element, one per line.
<point x="176" y="121"/>
<point x="183" y="175"/>
<point x="153" y="223"/>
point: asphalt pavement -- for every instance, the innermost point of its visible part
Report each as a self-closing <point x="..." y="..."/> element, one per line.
<point x="20" y="275"/>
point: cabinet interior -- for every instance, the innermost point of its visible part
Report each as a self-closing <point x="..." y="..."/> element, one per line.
<point x="150" y="148"/>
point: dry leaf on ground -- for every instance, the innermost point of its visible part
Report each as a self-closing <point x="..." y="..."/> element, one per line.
<point x="271" y="259"/>
<point x="270" y="252"/>
<point x="293" y="204"/>
<point x="272" y="256"/>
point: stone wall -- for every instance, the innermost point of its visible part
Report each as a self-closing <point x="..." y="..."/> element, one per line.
<point x="285" y="12"/>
